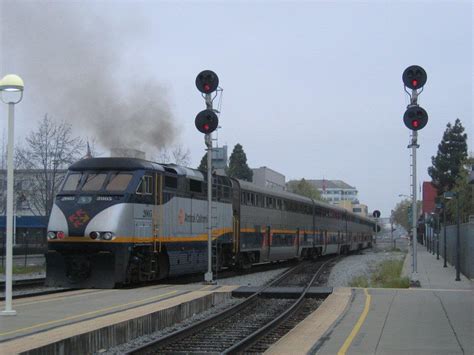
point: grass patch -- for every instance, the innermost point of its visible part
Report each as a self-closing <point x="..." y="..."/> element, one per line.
<point x="20" y="269"/>
<point x="387" y="275"/>
<point x="359" y="281"/>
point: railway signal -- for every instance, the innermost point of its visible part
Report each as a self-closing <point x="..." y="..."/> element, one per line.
<point x="206" y="121"/>
<point x="207" y="81"/>
<point x="414" y="77"/>
<point x="415" y="118"/>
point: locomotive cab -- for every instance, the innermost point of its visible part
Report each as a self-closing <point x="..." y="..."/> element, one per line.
<point x="90" y="236"/>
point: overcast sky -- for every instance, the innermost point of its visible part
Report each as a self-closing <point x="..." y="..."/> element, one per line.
<point x="311" y="89"/>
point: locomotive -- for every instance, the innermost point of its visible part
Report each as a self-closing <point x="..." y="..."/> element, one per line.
<point x="120" y="221"/>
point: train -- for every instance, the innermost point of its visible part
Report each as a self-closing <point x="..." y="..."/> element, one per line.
<point x="123" y="221"/>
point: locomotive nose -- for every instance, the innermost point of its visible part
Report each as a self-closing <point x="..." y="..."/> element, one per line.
<point x="77" y="221"/>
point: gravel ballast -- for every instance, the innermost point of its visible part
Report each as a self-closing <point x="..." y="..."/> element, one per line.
<point x="363" y="264"/>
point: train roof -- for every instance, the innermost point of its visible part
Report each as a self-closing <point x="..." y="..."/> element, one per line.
<point x="141" y="164"/>
<point x="115" y="164"/>
<point x="134" y="164"/>
<point x="289" y="195"/>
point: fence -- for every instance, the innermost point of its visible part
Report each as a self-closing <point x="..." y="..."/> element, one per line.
<point x="467" y="247"/>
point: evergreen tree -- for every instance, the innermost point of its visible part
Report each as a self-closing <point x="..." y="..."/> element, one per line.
<point x="203" y="165"/>
<point x="238" y="167"/>
<point x="304" y="188"/>
<point x="452" y="151"/>
<point x="464" y="192"/>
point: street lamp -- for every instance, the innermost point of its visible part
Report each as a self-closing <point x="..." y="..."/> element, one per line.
<point x="449" y="196"/>
<point x="11" y="93"/>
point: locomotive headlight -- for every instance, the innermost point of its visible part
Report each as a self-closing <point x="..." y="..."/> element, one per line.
<point x="94" y="235"/>
<point x="108" y="236"/>
<point x="51" y="235"/>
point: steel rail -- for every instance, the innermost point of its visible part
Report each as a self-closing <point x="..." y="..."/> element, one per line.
<point x="196" y="327"/>
<point x="260" y="333"/>
<point x="199" y="326"/>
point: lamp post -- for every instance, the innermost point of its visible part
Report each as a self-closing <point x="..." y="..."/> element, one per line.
<point x="11" y="93"/>
<point x="448" y="196"/>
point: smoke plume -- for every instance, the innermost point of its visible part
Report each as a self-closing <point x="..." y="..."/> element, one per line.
<point x="71" y="57"/>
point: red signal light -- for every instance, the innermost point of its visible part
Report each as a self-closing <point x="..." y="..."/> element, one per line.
<point x="415" y="123"/>
<point x="206" y="127"/>
<point x="207" y="87"/>
<point x="415" y="82"/>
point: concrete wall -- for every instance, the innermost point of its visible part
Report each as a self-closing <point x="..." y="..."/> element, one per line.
<point x="116" y="334"/>
<point x="467" y="247"/>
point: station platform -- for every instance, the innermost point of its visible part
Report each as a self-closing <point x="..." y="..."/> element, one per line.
<point x="436" y="318"/>
<point x="100" y="318"/>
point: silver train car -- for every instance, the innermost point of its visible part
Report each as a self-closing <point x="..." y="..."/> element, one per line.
<point x="119" y="221"/>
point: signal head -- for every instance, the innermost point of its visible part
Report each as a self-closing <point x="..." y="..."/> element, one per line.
<point x="206" y="121"/>
<point x="414" y="77"/>
<point x="207" y="81"/>
<point x="415" y="118"/>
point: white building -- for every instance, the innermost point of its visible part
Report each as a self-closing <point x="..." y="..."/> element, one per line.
<point x="335" y="191"/>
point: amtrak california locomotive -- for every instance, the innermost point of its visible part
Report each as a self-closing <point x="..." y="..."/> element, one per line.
<point x="119" y="221"/>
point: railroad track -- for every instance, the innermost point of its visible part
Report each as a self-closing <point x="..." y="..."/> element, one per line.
<point x="251" y="325"/>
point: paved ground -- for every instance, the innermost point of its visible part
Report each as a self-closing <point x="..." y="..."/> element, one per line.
<point x="436" y="318"/>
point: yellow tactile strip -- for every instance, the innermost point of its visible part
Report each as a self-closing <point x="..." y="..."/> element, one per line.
<point x="54" y="335"/>
<point x="301" y="339"/>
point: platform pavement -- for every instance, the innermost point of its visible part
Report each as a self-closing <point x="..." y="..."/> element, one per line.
<point x="432" y="274"/>
<point x="436" y="318"/>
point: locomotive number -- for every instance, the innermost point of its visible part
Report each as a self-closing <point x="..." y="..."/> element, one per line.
<point x="147" y="213"/>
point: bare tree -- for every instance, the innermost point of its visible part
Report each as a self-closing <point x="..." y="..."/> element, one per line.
<point x="178" y="155"/>
<point x="47" y="152"/>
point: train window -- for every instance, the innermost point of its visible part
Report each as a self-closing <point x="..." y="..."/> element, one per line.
<point x="118" y="182"/>
<point x="226" y="193"/>
<point x="94" y="182"/>
<point x="242" y="198"/>
<point x="171" y="181"/>
<point x="145" y="186"/>
<point x="269" y="202"/>
<point x="72" y="182"/>
<point x="195" y="185"/>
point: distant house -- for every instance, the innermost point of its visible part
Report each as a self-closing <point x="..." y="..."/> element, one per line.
<point x="335" y="191"/>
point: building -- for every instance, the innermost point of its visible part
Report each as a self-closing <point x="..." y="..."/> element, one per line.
<point x="29" y="203"/>
<point x="360" y="209"/>
<point x="353" y="206"/>
<point x="335" y="191"/>
<point x="268" y="178"/>
<point x="219" y="158"/>
<point x="429" y="195"/>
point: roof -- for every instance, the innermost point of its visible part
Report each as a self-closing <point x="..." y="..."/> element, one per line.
<point x="115" y="163"/>
<point x="330" y="184"/>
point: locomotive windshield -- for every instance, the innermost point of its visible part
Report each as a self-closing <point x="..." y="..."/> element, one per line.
<point x="96" y="181"/>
